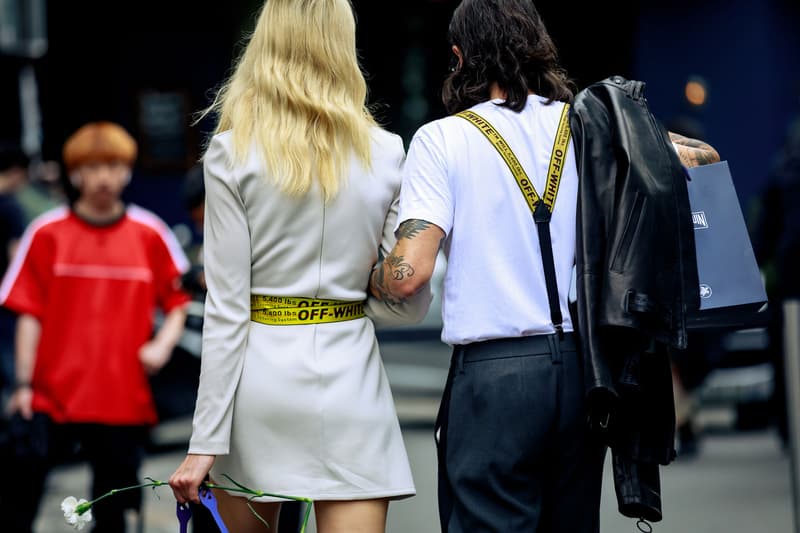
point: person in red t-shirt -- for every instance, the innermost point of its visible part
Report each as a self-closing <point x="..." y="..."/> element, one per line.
<point x="86" y="281"/>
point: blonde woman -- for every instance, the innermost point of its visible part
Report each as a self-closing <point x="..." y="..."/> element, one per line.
<point x="302" y="190"/>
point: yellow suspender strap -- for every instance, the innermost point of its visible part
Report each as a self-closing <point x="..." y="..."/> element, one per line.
<point x="541" y="209"/>
<point x="557" y="158"/>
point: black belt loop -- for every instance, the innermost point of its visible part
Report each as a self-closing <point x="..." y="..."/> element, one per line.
<point x="459" y="362"/>
<point x="542" y="218"/>
<point x="555" y="349"/>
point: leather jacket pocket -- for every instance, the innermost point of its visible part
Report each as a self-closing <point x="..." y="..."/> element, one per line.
<point x="623" y="250"/>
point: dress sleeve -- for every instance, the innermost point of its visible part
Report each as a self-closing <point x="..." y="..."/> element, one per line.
<point x="227" y="307"/>
<point x="411" y="310"/>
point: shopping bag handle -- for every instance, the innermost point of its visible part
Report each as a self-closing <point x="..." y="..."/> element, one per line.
<point x="207" y="499"/>
<point x="210" y="502"/>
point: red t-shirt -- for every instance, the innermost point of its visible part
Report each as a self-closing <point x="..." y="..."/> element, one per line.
<point x="94" y="290"/>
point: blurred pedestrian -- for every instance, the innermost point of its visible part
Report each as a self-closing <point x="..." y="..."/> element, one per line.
<point x="777" y="246"/>
<point x="194" y="198"/>
<point x="301" y="188"/>
<point x="13" y="174"/>
<point x="86" y="282"/>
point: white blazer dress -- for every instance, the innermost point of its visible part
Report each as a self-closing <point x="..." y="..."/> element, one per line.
<point x="303" y="410"/>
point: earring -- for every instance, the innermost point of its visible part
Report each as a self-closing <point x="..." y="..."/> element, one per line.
<point x="453" y="64"/>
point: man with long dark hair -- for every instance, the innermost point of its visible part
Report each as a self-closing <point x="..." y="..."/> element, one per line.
<point x="514" y="449"/>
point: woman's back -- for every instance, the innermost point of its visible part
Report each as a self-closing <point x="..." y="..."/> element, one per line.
<point x="302" y="246"/>
<point x="315" y="394"/>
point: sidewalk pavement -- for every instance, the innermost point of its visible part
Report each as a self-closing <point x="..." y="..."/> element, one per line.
<point x="739" y="483"/>
<point x="159" y="505"/>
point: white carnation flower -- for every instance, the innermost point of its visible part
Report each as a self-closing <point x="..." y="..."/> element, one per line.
<point x="71" y="506"/>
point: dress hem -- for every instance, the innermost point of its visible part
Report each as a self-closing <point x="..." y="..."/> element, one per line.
<point x="337" y="496"/>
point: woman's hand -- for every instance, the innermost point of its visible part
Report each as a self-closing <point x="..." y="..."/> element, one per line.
<point x="186" y="480"/>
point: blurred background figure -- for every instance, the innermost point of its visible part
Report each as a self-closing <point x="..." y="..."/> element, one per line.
<point x="13" y="175"/>
<point x="777" y="246"/>
<point x="43" y="190"/>
<point x="85" y="282"/>
<point x="194" y="197"/>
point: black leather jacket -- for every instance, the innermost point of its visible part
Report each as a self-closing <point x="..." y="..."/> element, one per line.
<point x="636" y="280"/>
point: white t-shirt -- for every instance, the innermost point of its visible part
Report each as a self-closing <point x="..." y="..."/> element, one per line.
<point x="455" y="178"/>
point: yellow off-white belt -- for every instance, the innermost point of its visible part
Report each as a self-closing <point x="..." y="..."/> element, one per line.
<point x="290" y="311"/>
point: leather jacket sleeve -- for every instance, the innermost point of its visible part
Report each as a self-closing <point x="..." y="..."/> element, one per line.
<point x="590" y="125"/>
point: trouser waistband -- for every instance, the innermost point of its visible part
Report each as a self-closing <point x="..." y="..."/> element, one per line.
<point x="517" y="347"/>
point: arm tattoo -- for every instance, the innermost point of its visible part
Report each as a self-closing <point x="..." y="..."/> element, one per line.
<point x="395" y="267"/>
<point x="379" y="288"/>
<point x="694" y="153"/>
<point x="411" y="228"/>
<point x="400" y="269"/>
<point x="687" y="141"/>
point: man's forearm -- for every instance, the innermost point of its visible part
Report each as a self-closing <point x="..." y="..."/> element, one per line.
<point x="390" y="277"/>
<point x="694" y="153"/>
<point x="29" y="330"/>
<point x="409" y="266"/>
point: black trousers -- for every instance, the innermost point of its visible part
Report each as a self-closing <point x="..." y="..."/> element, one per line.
<point x="114" y="454"/>
<point x="515" y="453"/>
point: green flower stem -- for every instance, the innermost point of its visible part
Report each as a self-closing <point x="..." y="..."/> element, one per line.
<point x="258" y="493"/>
<point x="82" y="508"/>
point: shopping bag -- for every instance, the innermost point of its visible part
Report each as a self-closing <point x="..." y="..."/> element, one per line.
<point x="731" y="288"/>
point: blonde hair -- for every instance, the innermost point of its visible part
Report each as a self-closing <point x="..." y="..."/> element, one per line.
<point x="99" y="142"/>
<point x="298" y="93"/>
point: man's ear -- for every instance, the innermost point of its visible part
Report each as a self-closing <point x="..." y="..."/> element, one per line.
<point x="457" y="52"/>
<point x="75" y="179"/>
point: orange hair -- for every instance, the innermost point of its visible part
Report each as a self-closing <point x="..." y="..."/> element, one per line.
<point x="99" y="142"/>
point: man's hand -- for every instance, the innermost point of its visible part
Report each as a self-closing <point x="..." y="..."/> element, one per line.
<point x="154" y="355"/>
<point x="21" y="402"/>
<point x="694" y="153"/>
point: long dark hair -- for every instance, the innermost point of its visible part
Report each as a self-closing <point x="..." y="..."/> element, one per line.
<point x="503" y="41"/>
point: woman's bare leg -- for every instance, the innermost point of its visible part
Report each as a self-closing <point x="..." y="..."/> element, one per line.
<point x="239" y="518"/>
<point x="360" y="516"/>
